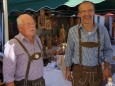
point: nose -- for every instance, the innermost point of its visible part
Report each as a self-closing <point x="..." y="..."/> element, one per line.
<point x="86" y="12"/>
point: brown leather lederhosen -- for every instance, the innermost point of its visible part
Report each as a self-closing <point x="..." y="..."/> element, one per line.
<point x="87" y="75"/>
<point x="26" y="82"/>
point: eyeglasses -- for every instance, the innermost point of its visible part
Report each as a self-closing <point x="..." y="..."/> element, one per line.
<point x="86" y="11"/>
<point x="29" y="23"/>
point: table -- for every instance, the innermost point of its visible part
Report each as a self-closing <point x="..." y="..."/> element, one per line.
<point x="55" y="77"/>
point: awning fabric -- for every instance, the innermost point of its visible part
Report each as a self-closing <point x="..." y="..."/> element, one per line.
<point x="22" y="5"/>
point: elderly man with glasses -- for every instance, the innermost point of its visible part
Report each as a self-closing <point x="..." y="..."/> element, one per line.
<point x="23" y="62"/>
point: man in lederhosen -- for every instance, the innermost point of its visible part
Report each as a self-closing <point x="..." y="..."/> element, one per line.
<point x="23" y="62"/>
<point x="88" y="49"/>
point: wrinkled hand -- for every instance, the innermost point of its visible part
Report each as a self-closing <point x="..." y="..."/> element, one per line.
<point x="107" y="73"/>
<point x="68" y="75"/>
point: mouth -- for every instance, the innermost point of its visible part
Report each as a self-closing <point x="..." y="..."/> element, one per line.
<point x="32" y="30"/>
<point x="87" y="18"/>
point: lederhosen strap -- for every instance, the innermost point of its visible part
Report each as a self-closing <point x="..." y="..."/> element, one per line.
<point x="30" y="59"/>
<point x="89" y="45"/>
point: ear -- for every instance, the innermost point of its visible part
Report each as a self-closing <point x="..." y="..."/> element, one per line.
<point x="19" y="28"/>
<point x="79" y="14"/>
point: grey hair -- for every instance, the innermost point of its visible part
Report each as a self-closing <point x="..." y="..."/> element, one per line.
<point x="20" y="19"/>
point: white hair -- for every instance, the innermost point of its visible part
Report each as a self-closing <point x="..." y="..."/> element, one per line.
<point x="21" y="18"/>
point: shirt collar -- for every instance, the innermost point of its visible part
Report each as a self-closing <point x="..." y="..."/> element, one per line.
<point x="94" y="28"/>
<point x="23" y="38"/>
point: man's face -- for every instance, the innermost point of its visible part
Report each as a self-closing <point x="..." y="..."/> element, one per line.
<point x="27" y="28"/>
<point x="86" y="13"/>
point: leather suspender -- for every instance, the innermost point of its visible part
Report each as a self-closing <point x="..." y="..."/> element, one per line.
<point x="89" y="45"/>
<point x="80" y="48"/>
<point x="98" y="46"/>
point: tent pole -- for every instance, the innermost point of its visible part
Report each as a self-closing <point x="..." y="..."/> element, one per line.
<point x="6" y="32"/>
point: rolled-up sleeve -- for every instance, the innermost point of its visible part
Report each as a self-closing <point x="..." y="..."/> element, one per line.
<point x="69" y="50"/>
<point x="9" y="62"/>
<point x="108" y="52"/>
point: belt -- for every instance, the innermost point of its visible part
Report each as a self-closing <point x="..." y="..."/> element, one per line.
<point x="88" y="68"/>
<point x="85" y="66"/>
<point x="34" y="81"/>
<point x="29" y="81"/>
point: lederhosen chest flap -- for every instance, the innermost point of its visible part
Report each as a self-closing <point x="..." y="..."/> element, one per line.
<point x="35" y="56"/>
